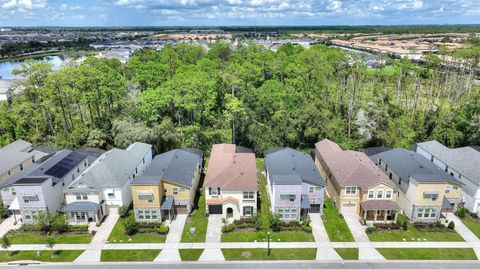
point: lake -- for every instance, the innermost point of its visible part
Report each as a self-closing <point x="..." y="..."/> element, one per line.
<point x="7" y="67"/>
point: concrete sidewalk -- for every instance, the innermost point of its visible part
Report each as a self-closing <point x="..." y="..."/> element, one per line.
<point x="9" y="224"/>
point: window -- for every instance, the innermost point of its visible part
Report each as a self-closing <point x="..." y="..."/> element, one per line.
<point x="290" y="197"/>
<point x="448" y="188"/>
<point x="85" y="163"/>
<point x="433" y="213"/>
<point x="146" y="197"/>
<point x="419" y="212"/>
<point x="371" y="194"/>
<point x="78" y="169"/>
<point x="143" y="160"/>
<point x="431" y="159"/>
<point x="388" y="194"/>
<point x="30" y="198"/>
<point x="426" y="213"/>
<point x="451" y="173"/>
<point x="379" y="194"/>
<point x="175" y="191"/>
<point x="73" y="177"/>
<point x="390" y="175"/>
<point x="247" y="210"/>
<point x="111" y="195"/>
<point x="248" y="195"/>
<point x="154" y="214"/>
<point x="214" y="191"/>
<point x="9" y="172"/>
<point x="82" y="196"/>
<point x="386" y="167"/>
<point x="140" y="214"/>
<point x="350" y="190"/>
<point x="287" y="213"/>
<point x="314" y="189"/>
<point x="455" y="187"/>
<point x="21" y="166"/>
<point x="12" y="190"/>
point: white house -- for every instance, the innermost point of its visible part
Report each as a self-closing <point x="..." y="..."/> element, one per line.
<point x="231" y="183"/>
<point x="461" y="163"/>
<point x="106" y="183"/>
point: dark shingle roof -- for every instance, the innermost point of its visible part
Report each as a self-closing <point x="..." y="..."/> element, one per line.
<point x="407" y="163"/>
<point x="177" y="166"/>
<point x="288" y="165"/>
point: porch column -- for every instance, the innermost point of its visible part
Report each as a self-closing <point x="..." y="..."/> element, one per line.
<point x="364" y="214"/>
<point x="385" y="216"/>
<point x="75" y="216"/>
<point x="396" y="215"/>
<point x="375" y="216"/>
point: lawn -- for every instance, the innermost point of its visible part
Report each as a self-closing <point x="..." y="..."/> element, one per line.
<point x="129" y="255"/>
<point x="348" y="253"/>
<point x="264" y="198"/>
<point x="428" y="253"/>
<point x="45" y="255"/>
<point x="190" y="254"/>
<point x="413" y="234"/>
<point x="36" y="238"/>
<point x="245" y="254"/>
<point x="118" y="236"/>
<point x="336" y="226"/>
<point x="197" y="219"/>
<point x="472" y="224"/>
<point x="262" y="236"/>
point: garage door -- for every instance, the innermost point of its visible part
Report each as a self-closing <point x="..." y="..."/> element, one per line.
<point x="314" y="209"/>
<point x="181" y="209"/>
<point x="215" y="209"/>
<point x="349" y="208"/>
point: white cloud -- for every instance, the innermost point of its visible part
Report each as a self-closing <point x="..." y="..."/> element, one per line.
<point x="23" y="5"/>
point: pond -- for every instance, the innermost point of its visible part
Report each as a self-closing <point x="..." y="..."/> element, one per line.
<point x="7" y="67"/>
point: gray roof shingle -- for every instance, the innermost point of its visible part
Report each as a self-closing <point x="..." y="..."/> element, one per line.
<point x="112" y="169"/>
<point x="177" y="166"/>
<point x="16" y="153"/>
<point x="465" y="160"/>
<point x="406" y="163"/>
<point x="287" y="165"/>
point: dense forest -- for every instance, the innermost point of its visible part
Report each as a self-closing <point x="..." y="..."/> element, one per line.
<point x="186" y="96"/>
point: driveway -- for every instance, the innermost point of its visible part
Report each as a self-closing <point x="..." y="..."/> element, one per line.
<point x="318" y="230"/>
<point x="170" y="250"/>
<point x="357" y="229"/>
<point x="8" y="224"/>
<point x="214" y="229"/>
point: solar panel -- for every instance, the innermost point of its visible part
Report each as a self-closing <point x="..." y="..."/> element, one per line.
<point x="66" y="164"/>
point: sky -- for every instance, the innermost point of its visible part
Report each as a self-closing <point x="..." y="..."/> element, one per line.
<point x="236" y="12"/>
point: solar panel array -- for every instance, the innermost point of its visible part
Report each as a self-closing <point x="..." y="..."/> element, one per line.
<point x="65" y="165"/>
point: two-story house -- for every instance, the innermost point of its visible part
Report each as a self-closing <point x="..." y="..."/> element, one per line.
<point x="231" y="182"/>
<point x="425" y="189"/>
<point x="295" y="185"/>
<point x="106" y="183"/>
<point x="40" y="186"/>
<point x="168" y="186"/>
<point x="461" y="163"/>
<point x="15" y="157"/>
<point x="357" y="187"/>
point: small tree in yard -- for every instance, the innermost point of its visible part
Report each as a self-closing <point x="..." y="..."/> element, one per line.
<point x="275" y="222"/>
<point x="451" y="225"/>
<point x="44" y="221"/>
<point x="130" y="226"/>
<point x="123" y="211"/>
<point x="6" y="244"/>
<point x="59" y="224"/>
<point x="51" y="244"/>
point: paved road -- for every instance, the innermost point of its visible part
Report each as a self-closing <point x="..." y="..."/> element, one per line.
<point x="272" y="265"/>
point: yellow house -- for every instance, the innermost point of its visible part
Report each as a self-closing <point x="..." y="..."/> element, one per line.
<point x="355" y="185"/>
<point x="168" y="186"/>
<point x="426" y="191"/>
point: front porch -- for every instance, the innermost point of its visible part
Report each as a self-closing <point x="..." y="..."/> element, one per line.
<point x="83" y="212"/>
<point x="168" y="209"/>
<point x="379" y="211"/>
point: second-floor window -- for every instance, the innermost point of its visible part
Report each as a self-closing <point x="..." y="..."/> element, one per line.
<point x="388" y="194"/>
<point x="350" y="190"/>
<point x="146" y="196"/>
<point x="82" y="196"/>
<point x="289" y="197"/>
<point x="30" y="198"/>
<point x="314" y="189"/>
<point x="111" y="195"/>
<point x="371" y="194"/>
<point x="214" y="191"/>
<point x="379" y="194"/>
<point x="12" y="190"/>
<point x="248" y="195"/>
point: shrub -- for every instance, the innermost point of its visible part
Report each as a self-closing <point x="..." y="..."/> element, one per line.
<point x="228" y="228"/>
<point x="307" y="229"/>
<point x="371" y="230"/>
<point x="3" y="212"/>
<point x="451" y="225"/>
<point x="78" y="228"/>
<point x="405" y="226"/>
<point x="123" y="211"/>
<point x="59" y="224"/>
<point x="340" y="215"/>
<point x="163" y="229"/>
<point x="150" y="225"/>
<point x="275" y="223"/>
<point x="305" y="220"/>
<point x="130" y="226"/>
<point x="461" y="212"/>
<point x="44" y="222"/>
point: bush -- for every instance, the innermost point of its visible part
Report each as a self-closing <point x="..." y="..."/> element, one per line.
<point x="163" y="229"/>
<point x="340" y="215"/>
<point x="130" y="226"/>
<point x="461" y="212"/>
<point x="451" y="225"/>
<point x="228" y="228"/>
<point x="275" y="223"/>
<point x="149" y="225"/>
<point x="405" y="226"/>
<point x="78" y="228"/>
<point x="305" y="220"/>
<point x="307" y="229"/>
<point x="123" y="211"/>
<point x="387" y="226"/>
<point x="59" y="224"/>
<point x="147" y="230"/>
<point x="3" y="212"/>
<point x="371" y="230"/>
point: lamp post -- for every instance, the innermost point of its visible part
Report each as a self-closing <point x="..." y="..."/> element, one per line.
<point x="268" y="244"/>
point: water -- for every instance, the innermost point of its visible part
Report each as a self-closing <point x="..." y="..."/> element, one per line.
<point x="7" y="67"/>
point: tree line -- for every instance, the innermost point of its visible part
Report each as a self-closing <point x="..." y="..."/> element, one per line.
<point x="186" y="96"/>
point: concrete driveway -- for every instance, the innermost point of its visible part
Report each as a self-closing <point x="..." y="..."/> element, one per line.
<point x="357" y="229"/>
<point x="214" y="229"/>
<point x="8" y="224"/>
<point x="318" y="230"/>
<point x="170" y="250"/>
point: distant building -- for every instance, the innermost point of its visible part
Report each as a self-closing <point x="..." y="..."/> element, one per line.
<point x="7" y="89"/>
<point x="121" y="54"/>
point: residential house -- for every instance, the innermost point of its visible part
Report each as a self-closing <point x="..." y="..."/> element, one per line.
<point x="461" y="163"/>
<point x="231" y="183"/>
<point x="40" y="186"/>
<point x="356" y="186"/>
<point x="425" y="189"/>
<point x="168" y="186"/>
<point x="295" y="185"/>
<point x="106" y="183"/>
<point x="15" y="157"/>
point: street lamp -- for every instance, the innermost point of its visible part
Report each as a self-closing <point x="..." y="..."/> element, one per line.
<point x="268" y="244"/>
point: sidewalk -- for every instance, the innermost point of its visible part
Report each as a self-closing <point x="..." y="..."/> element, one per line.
<point x="8" y="224"/>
